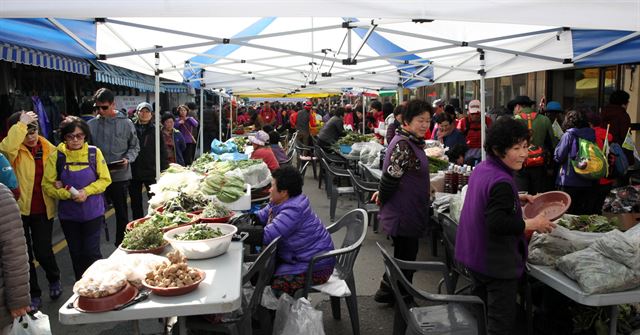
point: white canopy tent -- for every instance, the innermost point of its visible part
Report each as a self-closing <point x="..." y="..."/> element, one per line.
<point x="308" y="49"/>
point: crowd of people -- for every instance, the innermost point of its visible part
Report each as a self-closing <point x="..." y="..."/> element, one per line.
<point x="109" y="157"/>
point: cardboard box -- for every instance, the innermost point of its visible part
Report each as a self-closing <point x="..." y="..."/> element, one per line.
<point x="625" y="220"/>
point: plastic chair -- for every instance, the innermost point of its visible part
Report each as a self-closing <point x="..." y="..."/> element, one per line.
<point x="333" y="190"/>
<point x="331" y="159"/>
<point x="301" y="157"/>
<point x="454" y="317"/>
<point x="363" y="190"/>
<point x="262" y="269"/>
<point x="355" y="223"/>
<point x="455" y="269"/>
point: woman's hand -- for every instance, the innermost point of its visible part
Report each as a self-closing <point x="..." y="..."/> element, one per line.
<point x="20" y="311"/>
<point x="374" y="198"/>
<point x="540" y="224"/>
<point x="28" y="117"/>
<point x="526" y="198"/>
<point x="58" y="184"/>
<point x="81" y="197"/>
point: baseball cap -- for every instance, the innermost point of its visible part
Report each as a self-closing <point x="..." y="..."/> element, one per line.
<point x="438" y="103"/>
<point x="554" y="106"/>
<point x="144" y="105"/>
<point x="261" y="138"/>
<point x="474" y="106"/>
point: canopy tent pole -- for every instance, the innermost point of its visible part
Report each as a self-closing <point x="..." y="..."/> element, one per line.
<point x="157" y="113"/>
<point x="201" y="132"/>
<point x="231" y="115"/>
<point x="483" y="124"/>
<point x="364" y="108"/>
<point x="220" y="117"/>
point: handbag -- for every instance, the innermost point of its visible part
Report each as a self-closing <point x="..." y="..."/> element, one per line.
<point x="250" y="224"/>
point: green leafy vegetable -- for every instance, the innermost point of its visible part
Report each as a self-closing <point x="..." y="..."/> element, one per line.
<point x="143" y="236"/>
<point x="199" y="232"/>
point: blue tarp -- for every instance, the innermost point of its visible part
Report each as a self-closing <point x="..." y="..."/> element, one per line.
<point x="224" y="49"/>
<point x="586" y="40"/>
<point x="383" y="46"/>
<point x="48" y="60"/>
<point x="43" y="35"/>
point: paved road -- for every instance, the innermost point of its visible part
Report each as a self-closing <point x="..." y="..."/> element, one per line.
<point x="374" y="318"/>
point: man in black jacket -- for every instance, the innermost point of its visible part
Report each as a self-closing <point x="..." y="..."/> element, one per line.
<point x="144" y="168"/>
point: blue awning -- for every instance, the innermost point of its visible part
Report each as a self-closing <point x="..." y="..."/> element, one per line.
<point x="23" y="55"/>
<point x="115" y="75"/>
<point x="587" y="40"/>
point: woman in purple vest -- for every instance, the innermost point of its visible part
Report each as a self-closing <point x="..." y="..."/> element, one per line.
<point x="490" y="240"/>
<point x="403" y="193"/>
<point x="77" y="175"/>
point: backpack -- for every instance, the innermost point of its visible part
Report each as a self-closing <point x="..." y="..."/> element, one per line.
<point x="536" y="153"/>
<point x="590" y="162"/>
<point x="618" y="163"/>
<point x="62" y="161"/>
<point x="7" y="175"/>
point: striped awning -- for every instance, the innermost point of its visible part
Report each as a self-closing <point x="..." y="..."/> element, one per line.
<point x="120" y="76"/>
<point x="28" y="56"/>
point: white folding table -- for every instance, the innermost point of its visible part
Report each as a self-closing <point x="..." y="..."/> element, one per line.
<point x="220" y="292"/>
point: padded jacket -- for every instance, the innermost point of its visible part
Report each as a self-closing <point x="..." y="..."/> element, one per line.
<point x="303" y="235"/>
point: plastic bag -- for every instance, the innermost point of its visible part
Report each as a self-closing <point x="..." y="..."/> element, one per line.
<point x="620" y="248"/>
<point x="257" y="175"/>
<point x="546" y="249"/>
<point x="596" y="273"/>
<point x="218" y="147"/>
<point x="36" y="324"/>
<point x="295" y="317"/>
<point x="370" y="154"/>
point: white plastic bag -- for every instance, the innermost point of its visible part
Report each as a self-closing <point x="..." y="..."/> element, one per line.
<point x="36" y="324"/>
<point x="295" y="317"/>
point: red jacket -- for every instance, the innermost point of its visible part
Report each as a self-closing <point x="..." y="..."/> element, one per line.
<point x="600" y="132"/>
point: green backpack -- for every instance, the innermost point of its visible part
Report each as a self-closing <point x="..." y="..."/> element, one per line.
<point x="590" y="162"/>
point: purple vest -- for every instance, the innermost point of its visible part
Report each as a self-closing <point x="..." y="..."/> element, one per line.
<point x="498" y="256"/>
<point x="407" y="212"/>
<point x="92" y="208"/>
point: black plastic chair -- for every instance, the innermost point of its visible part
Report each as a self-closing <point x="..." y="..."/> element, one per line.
<point x="364" y="190"/>
<point x="332" y="159"/>
<point x="455" y="269"/>
<point x="355" y="223"/>
<point x="334" y="190"/>
<point x="261" y="271"/>
<point x="455" y="316"/>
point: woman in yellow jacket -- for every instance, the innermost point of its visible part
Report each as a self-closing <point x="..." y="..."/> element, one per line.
<point x="77" y="175"/>
<point x="27" y="153"/>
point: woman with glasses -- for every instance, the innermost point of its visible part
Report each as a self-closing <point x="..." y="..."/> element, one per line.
<point x="27" y="152"/>
<point x="77" y="175"/>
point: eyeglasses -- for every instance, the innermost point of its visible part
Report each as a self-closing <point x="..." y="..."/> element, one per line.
<point x="104" y="108"/>
<point x="71" y="137"/>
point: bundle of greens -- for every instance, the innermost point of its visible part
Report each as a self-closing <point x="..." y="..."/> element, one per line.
<point x="200" y="164"/>
<point x="226" y="189"/>
<point x="168" y="219"/>
<point x="436" y="164"/>
<point x="199" y="232"/>
<point x="186" y="203"/>
<point x="588" y="223"/>
<point x="215" y="210"/>
<point x="142" y="237"/>
<point x="352" y="137"/>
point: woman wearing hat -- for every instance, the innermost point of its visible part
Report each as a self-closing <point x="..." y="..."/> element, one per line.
<point x="262" y="151"/>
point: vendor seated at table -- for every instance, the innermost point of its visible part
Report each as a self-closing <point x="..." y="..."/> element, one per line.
<point x="261" y="150"/>
<point x="332" y="131"/>
<point x="274" y="144"/>
<point x="290" y="216"/>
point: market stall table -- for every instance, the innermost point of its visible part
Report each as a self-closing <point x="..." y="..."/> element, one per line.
<point x="220" y="292"/>
<point x="565" y="285"/>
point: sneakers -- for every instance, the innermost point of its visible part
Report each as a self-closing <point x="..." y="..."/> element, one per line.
<point x="36" y="303"/>
<point x="384" y="295"/>
<point x="55" y="290"/>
